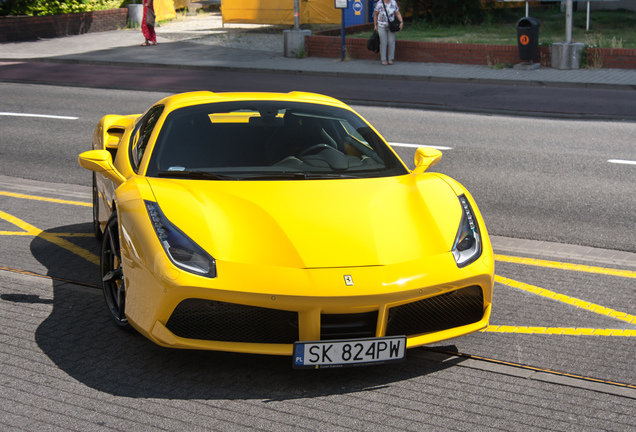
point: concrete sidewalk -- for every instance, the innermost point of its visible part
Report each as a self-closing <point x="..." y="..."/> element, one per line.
<point x="205" y="43"/>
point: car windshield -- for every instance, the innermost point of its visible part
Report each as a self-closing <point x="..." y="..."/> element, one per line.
<point x="254" y="140"/>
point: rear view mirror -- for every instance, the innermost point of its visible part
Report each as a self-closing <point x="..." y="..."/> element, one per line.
<point x="267" y="121"/>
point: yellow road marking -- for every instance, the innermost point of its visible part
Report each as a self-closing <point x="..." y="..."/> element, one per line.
<point x="39" y="198"/>
<point x="50" y="237"/>
<point x="566" y="266"/>
<point x="566" y="299"/>
<point x="569" y="331"/>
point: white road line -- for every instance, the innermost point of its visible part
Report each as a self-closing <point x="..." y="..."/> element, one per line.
<point x="38" y="115"/>
<point x="393" y="144"/>
<point x="620" y="161"/>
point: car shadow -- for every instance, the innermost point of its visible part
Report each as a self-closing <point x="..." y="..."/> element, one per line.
<point x="64" y="264"/>
<point x="80" y="338"/>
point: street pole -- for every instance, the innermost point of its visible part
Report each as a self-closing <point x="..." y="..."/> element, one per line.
<point x="296" y="15"/>
<point x="342" y="32"/>
<point x="568" y="21"/>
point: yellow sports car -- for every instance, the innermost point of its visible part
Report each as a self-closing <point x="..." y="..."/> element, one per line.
<point x="282" y="224"/>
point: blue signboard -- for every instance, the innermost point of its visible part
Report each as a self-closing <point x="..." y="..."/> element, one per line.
<point x="355" y="13"/>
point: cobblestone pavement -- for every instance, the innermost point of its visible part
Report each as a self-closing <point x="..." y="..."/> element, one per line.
<point x="65" y="367"/>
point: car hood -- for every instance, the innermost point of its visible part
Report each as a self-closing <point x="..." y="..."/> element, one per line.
<point x="315" y="223"/>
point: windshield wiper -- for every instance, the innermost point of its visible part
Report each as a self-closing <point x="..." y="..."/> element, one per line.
<point x="196" y="175"/>
<point x="297" y="176"/>
<point x="275" y="176"/>
<point x="316" y="176"/>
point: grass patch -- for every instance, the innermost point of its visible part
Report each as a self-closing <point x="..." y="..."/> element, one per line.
<point x="608" y="29"/>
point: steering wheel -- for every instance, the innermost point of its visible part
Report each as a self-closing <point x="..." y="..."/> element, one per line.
<point x="313" y="149"/>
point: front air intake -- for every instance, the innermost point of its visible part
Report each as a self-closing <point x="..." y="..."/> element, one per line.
<point x="454" y="309"/>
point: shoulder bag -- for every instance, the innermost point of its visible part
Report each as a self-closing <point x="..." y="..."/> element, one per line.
<point x="150" y="17"/>
<point x="394" y="26"/>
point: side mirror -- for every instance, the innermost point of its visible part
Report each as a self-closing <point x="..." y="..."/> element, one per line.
<point x="426" y="157"/>
<point x="101" y="162"/>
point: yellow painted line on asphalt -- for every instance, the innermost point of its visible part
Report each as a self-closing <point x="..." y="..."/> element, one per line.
<point x="573" y="301"/>
<point x="566" y="331"/>
<point x="54" y="238"/>
<point x="39" y="198"/>
<point x="566" y="266"/>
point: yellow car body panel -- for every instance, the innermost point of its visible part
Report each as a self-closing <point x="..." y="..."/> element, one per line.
<point x="335" y="223"/>
<point x="315" y="248"/>
<point x="278" y="277"/>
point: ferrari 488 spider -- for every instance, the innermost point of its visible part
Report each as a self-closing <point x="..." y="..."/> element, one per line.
<point x="282" y="224"/>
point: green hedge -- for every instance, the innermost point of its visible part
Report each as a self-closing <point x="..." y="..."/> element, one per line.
<point x="55" y="7"/>
<point x="448" y="12"/>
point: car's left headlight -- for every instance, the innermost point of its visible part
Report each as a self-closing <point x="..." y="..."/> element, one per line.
<point x="467" y="246"/>
<point x="180" y="248"/>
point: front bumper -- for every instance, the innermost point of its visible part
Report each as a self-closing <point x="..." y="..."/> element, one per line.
<point x="264" y="310"/>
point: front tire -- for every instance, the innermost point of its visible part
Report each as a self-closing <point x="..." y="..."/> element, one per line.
<point x="112" y="274"/>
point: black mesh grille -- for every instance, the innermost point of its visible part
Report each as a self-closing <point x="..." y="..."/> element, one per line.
<point x="442" y="312"/>
<point x="348" y="326"/>
<point x="229" y="322"/>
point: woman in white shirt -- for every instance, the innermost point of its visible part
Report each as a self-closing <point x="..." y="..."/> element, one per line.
<point x="385" y="11"/>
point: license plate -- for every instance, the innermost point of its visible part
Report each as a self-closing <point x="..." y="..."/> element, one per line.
<point x="342" y="353"/>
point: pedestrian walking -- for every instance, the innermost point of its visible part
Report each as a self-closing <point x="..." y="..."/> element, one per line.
<point x="148" y="23"/>
<point x="386" y="12"/>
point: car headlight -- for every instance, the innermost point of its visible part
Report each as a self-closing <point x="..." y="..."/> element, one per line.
<point x="180" y="248"/>
<point x="467" y="246"/>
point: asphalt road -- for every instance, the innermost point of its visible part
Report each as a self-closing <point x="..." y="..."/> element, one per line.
<point x="533" y="178"/>
<point x="66" y="367"/>
<point x="551" y="102"/>
<point x="558" y="354"/>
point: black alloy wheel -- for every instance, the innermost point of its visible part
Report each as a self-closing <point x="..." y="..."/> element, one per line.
<point x="112" y="274"/>
<point x="96" y="228"/>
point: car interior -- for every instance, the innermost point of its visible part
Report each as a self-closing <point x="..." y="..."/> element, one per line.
<point x="266" y="138"/>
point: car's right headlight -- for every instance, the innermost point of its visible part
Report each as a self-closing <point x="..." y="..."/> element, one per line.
<point x="180" y="248"/>
<point x="467" y="246"/>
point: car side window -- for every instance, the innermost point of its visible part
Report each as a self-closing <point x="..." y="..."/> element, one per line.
<point x="141" y="135"/>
